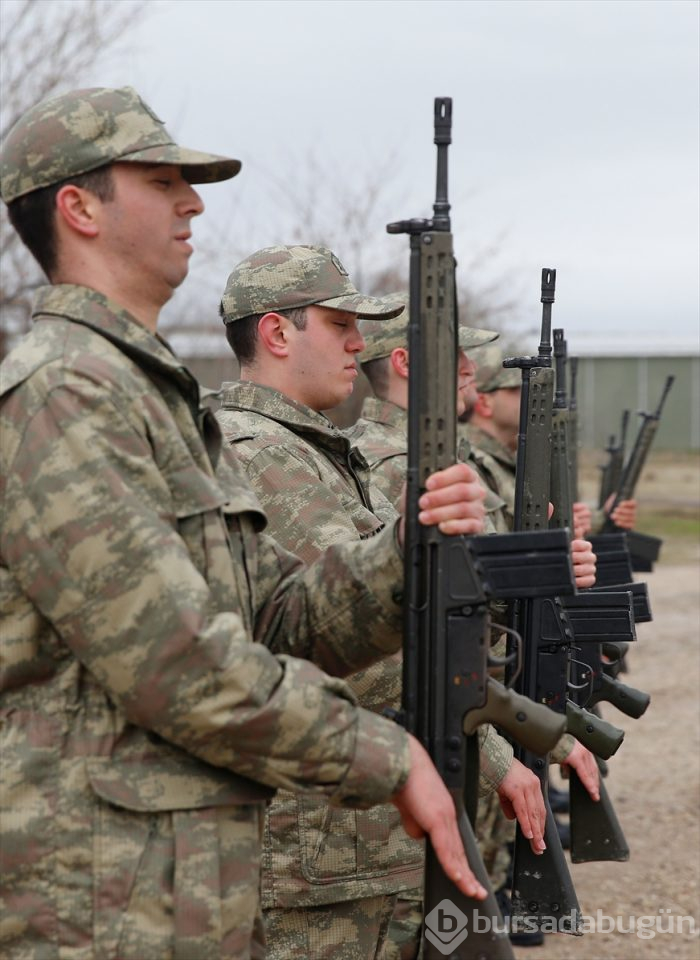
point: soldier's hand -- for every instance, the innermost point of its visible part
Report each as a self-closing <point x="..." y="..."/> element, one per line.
<point x="454" y="500"/>
<point x="583" y="519"/>
<point x="520" y="794"/>
<point x="625" y="513"/>
<point x="426" y="807"/>
<point x="584" y="763"/>
<point x="584" y="563"/>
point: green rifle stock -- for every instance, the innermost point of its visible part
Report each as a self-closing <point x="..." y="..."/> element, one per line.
<point x="600" y="737"/>
<point x="534" y="726"/>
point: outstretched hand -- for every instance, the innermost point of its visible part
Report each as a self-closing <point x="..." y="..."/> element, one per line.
<point x="426" y="807"/>
<point x="520" y="794"/>
<point x="585" y="765"/>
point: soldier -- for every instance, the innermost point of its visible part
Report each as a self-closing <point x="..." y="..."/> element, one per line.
<point x="381" y="434"/>
<point x="491" y="424"/>
<point x="143" y="728"/>
<point x="290" y="316"/>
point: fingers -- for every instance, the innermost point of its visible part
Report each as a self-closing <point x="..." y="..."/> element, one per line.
<point x="454" y="501"/>
<point x="457" y="473"/>
<point x="584" y="562"/>
<point x="625" y="514"/>
<point x="426" y="806"/>
<point x="582" y="519"/>
<point x="584" y="763"/>
<point x="449" y="849"/>
<point x="520" y="791"/>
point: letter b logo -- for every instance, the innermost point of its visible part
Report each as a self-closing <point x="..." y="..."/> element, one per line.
<point x="446" y="927"/>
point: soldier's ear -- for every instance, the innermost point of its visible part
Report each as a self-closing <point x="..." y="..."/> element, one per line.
<point x="399" y="362"/>
<point x="273" y="334"/>
<point x="78" y="210"/>
<point x="484" y="405"/>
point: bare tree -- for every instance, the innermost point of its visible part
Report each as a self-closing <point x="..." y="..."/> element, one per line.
<point x="45" y="47"/>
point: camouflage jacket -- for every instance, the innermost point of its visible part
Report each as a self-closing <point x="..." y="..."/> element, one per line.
<point x="496" y="464"/>
<point x="314" y="486"/>
<point x="133" y="581"/>
<point x="381" y="434"/>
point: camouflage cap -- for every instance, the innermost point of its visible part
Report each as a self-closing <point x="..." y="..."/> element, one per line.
<point x="280" y="277"/>
<point x="490" y="372"/>
<point x="380" y="340"/>
<point x="86" y="129"/>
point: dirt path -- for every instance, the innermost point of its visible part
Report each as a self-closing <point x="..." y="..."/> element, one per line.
<point x="654" y="782"/>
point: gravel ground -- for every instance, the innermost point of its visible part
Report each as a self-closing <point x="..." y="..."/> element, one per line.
<point x="654" y="782"/>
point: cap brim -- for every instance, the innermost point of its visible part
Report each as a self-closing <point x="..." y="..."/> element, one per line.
<point x="469" y="337"/>
<point x="366" y="308"/>
<point x="197" y="167"/>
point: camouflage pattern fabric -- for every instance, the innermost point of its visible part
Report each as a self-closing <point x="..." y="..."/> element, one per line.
<point x="381" y="434"/>
<point x="383" y="338"/>
<point x="314" y="486"/>
<point x="404" y="937"/>
<point x="85" y="129"/>
<point x="141" y="728"/>
<point x="341" y="931"/>
<point x="286" y="277"/>
<point x="496" y="465"/>
<point x="490" y="373"/>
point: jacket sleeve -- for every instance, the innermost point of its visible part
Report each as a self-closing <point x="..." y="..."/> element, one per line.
<point x="95" y="541"/>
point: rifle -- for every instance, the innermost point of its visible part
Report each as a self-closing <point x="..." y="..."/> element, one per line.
<point x="448" y="581"/>
<point x="612" y="470"/>
<point x="596" y="617"/>
<point x="644" y="549"/>
<point x="573" y="428"/>
<point x="542" y="886"/>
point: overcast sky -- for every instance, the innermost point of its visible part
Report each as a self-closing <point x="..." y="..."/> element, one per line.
<point x="575" y="136"/>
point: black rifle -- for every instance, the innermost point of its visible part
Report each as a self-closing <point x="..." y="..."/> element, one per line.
<point x="644" y="549"/>
<point x="611" y="472"/>
<point x="573" y="426"/>
<point x="542" y="887"/>
<point x="597" y="617"/>
<point x="448" y="581"/>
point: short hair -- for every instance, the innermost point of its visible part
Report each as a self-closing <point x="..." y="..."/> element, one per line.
<point x="33" y="215"/>
<point x="377" y="372"/>
<point x="242" y="335"/>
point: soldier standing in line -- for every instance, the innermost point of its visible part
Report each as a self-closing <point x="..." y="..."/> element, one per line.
<point x="491" y="424"/>
<point x="143" y="728"/>
<point x="330" y="878"/>
<point x="381" y="434"/>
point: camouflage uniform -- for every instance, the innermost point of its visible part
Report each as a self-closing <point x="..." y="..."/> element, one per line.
<point x="329" y="876"/>
<point x="496" y="465"/>
<point x="142" y="729"/>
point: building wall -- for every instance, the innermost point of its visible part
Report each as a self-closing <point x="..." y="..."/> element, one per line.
<point x="609" y="385"/>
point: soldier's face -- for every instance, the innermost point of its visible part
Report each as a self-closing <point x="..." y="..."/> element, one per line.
<point x="324" y="357"/>
<point x="466" y="386"/>
<point x="505" y="404"/>
<point x="146" y="227"/>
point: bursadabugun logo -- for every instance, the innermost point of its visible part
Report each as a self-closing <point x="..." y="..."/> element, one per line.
<point x="446" y="927"/>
